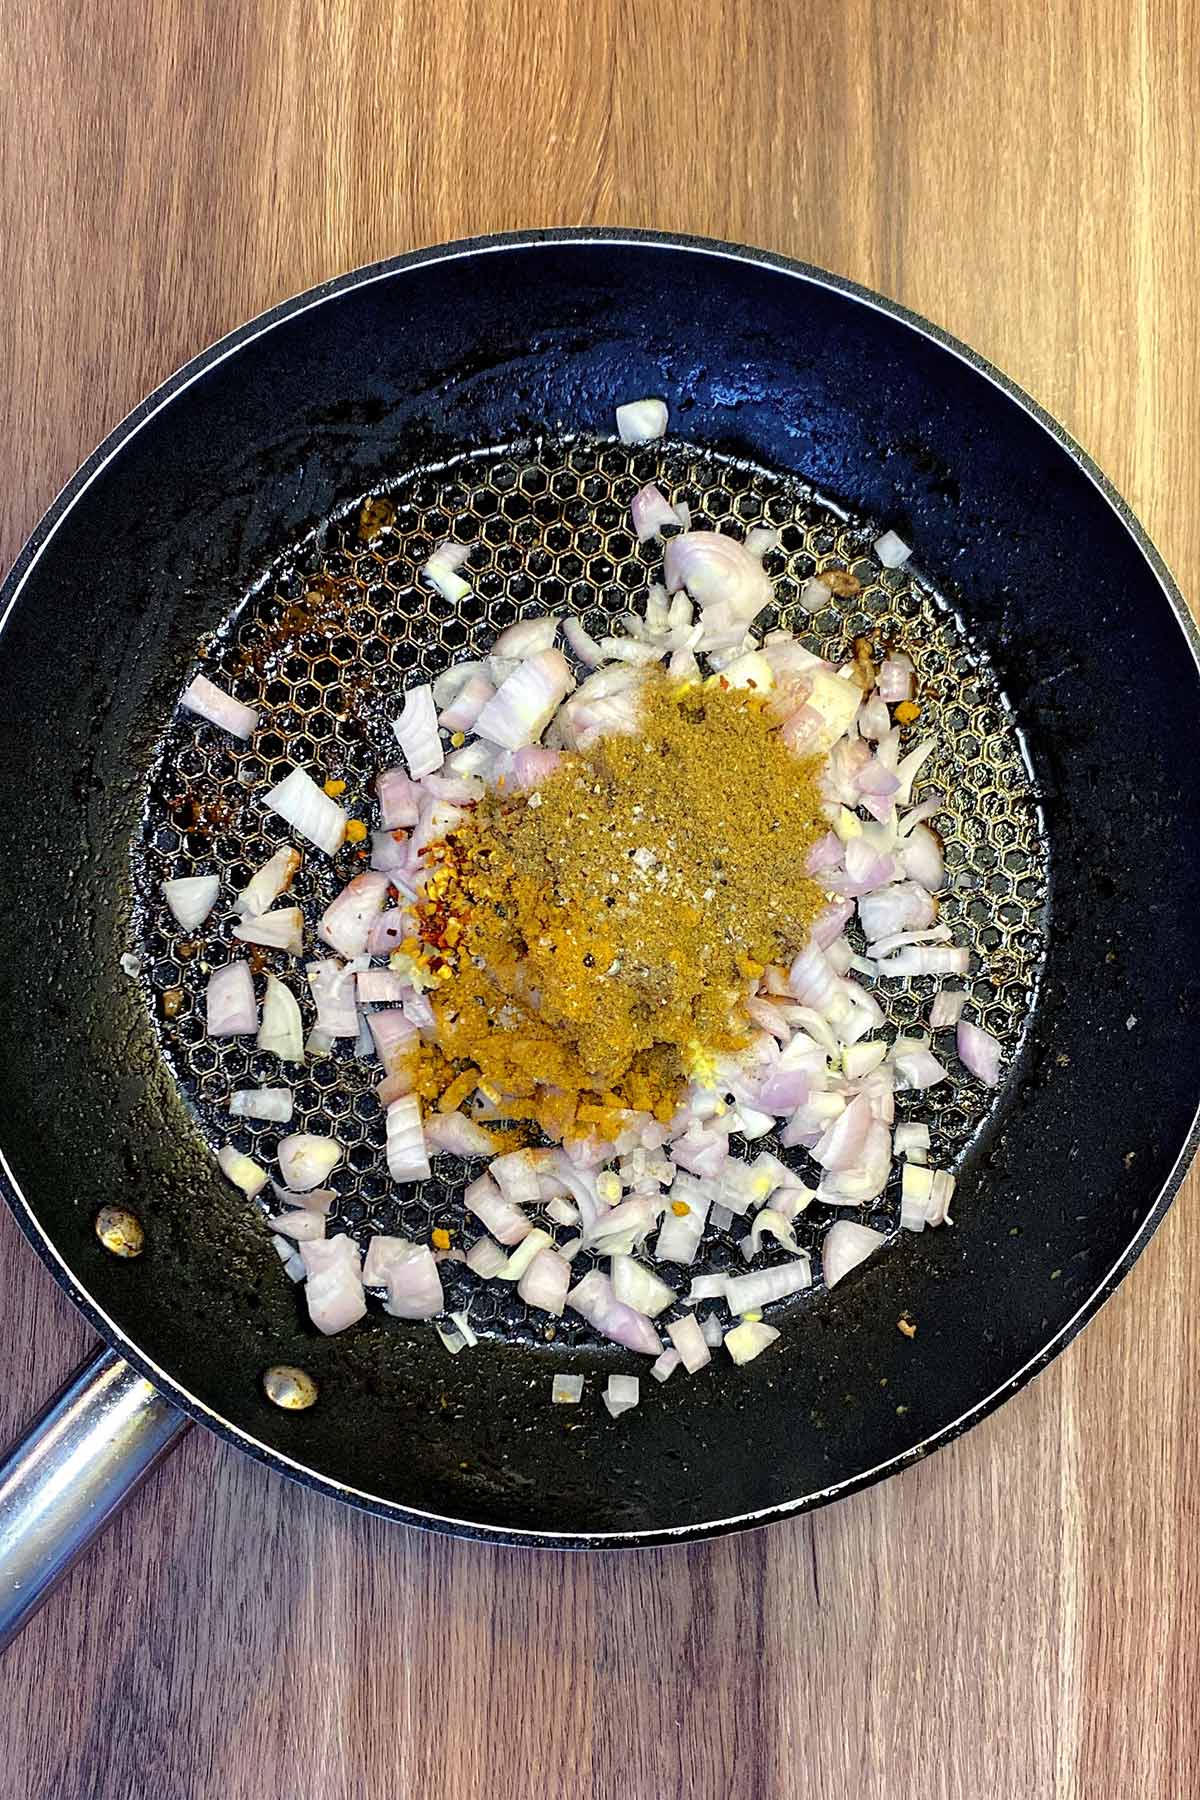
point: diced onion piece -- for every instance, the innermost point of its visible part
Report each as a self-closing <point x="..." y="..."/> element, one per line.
<point x="504" y="1220"/>
<point x="926" y="959"/>
<point x="332" y="987"/>
<point x="399" y="799"/>
<point x="466" y="705"/>
<point x="407" y="1159"/>
<point x="727" y="583"/>
<point x="524" y="704"/>
<point x="219" y="708"/>
<point x="622" y="1393"/>
<point x="688" y="1339"/>
<point x="545" y="1281"/>
<point x="566" y="1390"/>
<point x="333" y="1290"/>
<point x="440" y="570"/>
<point x="947" y="1007"/>
<point x="750" y="1293"/>
<point x="282" y="1029"/>
<point x="302" y="1225"/>
<point x="464" y="1326"/>
<point x="395" y="1039"/>
<point x="243" y="1171"/>
<point x="749" y="1339"/>
<point x="652" y="513"/>
<point x="417" y="732"/>
<point x="679" y="1234"/>
<point x="315" y="1200"/>
<point x="230" y="1005"/>
<point x="309" y="810"/>
<point x="191" y="899"/>
<point x="305" y="1160"/>
<point x="282" y="929"/>
<point x="639" y="1287"/>
<point x="845" y="1245"/>
<point x="262" y="1103"/>
<point x="916" y="1189"/>
<point x="924" y="859"/>
<point x="519" y="1260"/>
<point x="641" y="421"/>
<point x="487" y="1258"/>
<point x="346" y="923"/>
<point x="979" y="1051"/>
<point x="814" y="596"/>
<point x="666" y="1364"/>
<point x="456" y="1135"/>
<point x="910" y="1136"/>
<point x="527" y="637"/>
<point x="267" y="883"/>
<point x="891" y="550"/>
<point x="583" y="643"/>
<point x="594" y="1299"/>
<point x="410" y="1275"/>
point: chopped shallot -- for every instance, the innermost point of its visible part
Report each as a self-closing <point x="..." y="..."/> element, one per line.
<point x="191" y="899"/>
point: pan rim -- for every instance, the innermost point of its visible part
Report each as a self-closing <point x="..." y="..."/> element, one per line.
<point x="177" y="384"/>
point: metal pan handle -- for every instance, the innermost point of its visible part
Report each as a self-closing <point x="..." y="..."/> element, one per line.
<point x="71" y="1472"/>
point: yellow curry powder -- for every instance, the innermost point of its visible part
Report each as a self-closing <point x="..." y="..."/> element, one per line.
<point x="594" y="940"/>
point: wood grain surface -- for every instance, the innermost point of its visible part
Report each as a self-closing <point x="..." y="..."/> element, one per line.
<point x="1015" y="1618"/>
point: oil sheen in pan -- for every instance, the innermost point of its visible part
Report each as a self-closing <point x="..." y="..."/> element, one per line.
<point x="340" y="625"/>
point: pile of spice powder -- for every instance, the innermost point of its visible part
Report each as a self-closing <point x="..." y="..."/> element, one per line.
<point x="595" y="941"/>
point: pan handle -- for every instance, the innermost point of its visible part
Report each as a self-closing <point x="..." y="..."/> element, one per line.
<point x="71" y="1472"/>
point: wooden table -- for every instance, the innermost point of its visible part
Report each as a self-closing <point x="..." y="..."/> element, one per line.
<point x="1017" y="1617"/>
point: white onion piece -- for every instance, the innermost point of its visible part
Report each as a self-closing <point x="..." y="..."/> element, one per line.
<point x="486" y="1258"/>
<point x="941" y="1194"/>
<point x="814" y="596"/>
<point x="939" y="934"/>
<point x="440" y="571"/>
<point x="379" y="987"/>
<point x="639" y="1287"/>
<point x="345" y="925"/>
<point x="916" y="1190"/>
<point x="910" y="1137"/>
<point x="947" y="1007"/>
<point x="528" y="637"/>
<point x="305" y="1160"/>
<point x="652" y="513"/>
<point x="749" y="1339"/>
<point x="523" y="705"/>
<point x="566" y="1390"/>
<point x="456" y="1135"/>
<point x="918" y="1069"/>
<point x="230" y="1006"/>
<point x="545" y="1281"/>
<point x="926" y="959"/>
<point x="395" y="1038"/>
<point x="262" y="1103"/>
<point x="750" y="1293"/>
<point x="332" y="988"/>
<point x="845" y="1245"/>
<point x="727" y="583"/>
<point x="901" y="906"/>
<point x="219" y="708"/>
<point x="768" y="1222"/>
<point x="895" y="681"/>
<point x="464" y="1325"/>
<point x="191" y="898"/>
<point x="924" y="860"/>
<point x="243" y="1171"/>
<point x="562" y="1212"/>
<point x="909" y="769"/>
<point x="410" y="1274"/>
<point x="282" y="929"/>
<point x="688" y="1339"/>
<point x="518" y="1260"/>
<point x="267" y="883"/>
<point x="621" y="1229"/>
<point x="891" y="550"/>
<point x="308" y="810"/>
<point x="679" y="1237"/>
<point x="622" y="1393"/>
<point x="499" y="1215"/>
<point x="641" y="421"/>
<point x="282" y="1029"/>
<point x="466" y="705"/>
<point x="301" y="1225"/>
<point x="666" y="1364"/>
<point x="582" y="643"/>
<point x="406" y="1156"/>
<point x="516" y="1175"/>
<point x="399" y="799"/>
<point x="390" y="852"/>
<point x="594" y="1299"/>
<point x="979" y="1051"/>
<point x="315" y="1200"/>
<point x="333" y="1290"/>
<point x="417" y="732"/>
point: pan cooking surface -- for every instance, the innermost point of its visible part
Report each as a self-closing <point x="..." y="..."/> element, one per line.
<point x="340" y="625"/>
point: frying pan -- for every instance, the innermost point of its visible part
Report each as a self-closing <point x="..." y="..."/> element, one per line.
<point x="768" y="365"/>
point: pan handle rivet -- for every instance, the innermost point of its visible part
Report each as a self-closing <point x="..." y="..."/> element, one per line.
<point x="292" y="1389"/>
<point x="120" y="1231"/>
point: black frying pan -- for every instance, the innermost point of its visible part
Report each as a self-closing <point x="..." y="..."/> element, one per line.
<point x="334" y="395"/>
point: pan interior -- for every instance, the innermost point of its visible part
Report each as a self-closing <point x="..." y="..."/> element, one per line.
<point x="327" y="640"/>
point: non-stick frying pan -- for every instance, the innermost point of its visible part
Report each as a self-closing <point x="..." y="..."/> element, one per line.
<point x="1041" y="576"/>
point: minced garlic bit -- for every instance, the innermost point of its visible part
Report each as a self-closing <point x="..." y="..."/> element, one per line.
<point x="906" y="1325"/>
<point x="587" y="954"/>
